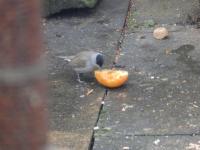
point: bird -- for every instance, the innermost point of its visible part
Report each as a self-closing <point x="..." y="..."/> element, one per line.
<point x="86" y="62"/>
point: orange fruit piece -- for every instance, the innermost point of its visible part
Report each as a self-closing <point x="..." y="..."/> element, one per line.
<point x="111" y="78"/>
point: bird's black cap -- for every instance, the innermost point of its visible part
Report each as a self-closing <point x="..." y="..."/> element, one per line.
<point x="99" y="60"/>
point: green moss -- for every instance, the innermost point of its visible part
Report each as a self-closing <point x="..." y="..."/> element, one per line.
<point x="132" y="23"/>
<point x="102" y="131"/>
<point x="89" y="3"/>
<point x="149" y="23"/>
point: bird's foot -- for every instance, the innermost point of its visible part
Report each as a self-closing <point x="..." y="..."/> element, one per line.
<point x="79" y="80"/>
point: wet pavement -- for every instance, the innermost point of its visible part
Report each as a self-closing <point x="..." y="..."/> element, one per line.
<point x="158" y="108"/>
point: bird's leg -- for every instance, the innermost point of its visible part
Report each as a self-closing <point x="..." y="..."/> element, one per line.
<point x="78" y="78"/>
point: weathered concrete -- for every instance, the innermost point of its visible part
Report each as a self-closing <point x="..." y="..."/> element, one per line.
<point x="121" y="142"/>
<point x="161" y="97"/>
<point x="158" y="108"/>
<point x="166" y="11"/>
<point x="55" y="6"/>
<point x="72" y="113"/>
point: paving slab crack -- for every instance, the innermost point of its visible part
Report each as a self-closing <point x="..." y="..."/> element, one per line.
<point x="117" y="54"/>
<point x="123" y="33"/>
<point x="96" y="123"/>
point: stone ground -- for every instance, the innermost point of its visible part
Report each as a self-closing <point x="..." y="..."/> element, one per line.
<point x="73" y="113"/>
<point x="158" y="108"/>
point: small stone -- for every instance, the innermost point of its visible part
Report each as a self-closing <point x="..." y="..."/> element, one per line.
<point x="96" y="128"/>
<point x="169" y="96"/>
<point x="182" y="92"/>
<point x="126" y="148"/>
<point x="147" y="129"/>
<point x="164" y="79"/>
<point x="190" y="115"/>
<point x="127" y="137"/>
<point x="150" y="88"/>
<point x="73" y="116"/>
<point x="123" y="109"/>
<point x="152" y="77"/>
<point x="156" y="142"/>
<point x="184" y="81"/>
<point x="107" y="129"/>
<point x="168" y="51"/>
<point x="82" y="96"/>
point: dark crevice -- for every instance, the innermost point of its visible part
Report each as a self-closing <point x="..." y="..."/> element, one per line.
<point x="123" y="33"/>
<point x="96" y="123"/>
<point x="117" y="53"/>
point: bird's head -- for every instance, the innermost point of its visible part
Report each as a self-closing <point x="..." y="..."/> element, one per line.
<point x="99" y="60"/>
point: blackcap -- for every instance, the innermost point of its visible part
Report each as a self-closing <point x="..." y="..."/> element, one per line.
<point x="86" y="62"/>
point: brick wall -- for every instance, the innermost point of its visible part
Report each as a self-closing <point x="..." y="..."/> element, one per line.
<point x="23" y="118"/>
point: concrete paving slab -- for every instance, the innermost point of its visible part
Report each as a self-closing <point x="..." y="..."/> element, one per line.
<point x="149" y="143"/>
<point x="166" y="12"/>
<point x="73" y="113"/>
<point x="162" y="95"/>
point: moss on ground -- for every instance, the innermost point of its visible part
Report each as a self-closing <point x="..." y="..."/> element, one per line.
<point x="133" y="24"/>
<point x="89" y="3"/>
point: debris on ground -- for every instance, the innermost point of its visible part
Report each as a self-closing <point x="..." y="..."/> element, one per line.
<point x="168" y="51"/>
<point x="126" y="148"/>
<point x="126" y="106"/>
<point x="156" y="142"/>
<point x="89" y="91"/>
<point x="82" y="96"/>
<point x="160" y="33"/>
<point x="193" y="146"/>
<point x="96" y="128"/>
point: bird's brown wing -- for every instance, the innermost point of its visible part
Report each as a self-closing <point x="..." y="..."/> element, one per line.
<point x="78" y="62"/>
